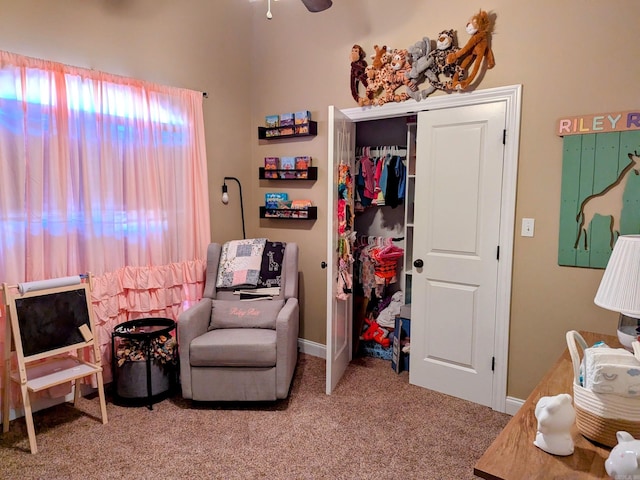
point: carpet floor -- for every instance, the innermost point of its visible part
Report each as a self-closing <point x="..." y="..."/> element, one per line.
<point x="374" y="426"/>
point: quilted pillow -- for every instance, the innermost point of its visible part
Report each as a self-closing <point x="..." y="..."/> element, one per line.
<point x="240" y="262"/>
<point x="239" y="314"/>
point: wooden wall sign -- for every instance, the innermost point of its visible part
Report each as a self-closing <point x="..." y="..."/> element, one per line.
<point x="600" y="197"/>
<point x="599" y="123"/>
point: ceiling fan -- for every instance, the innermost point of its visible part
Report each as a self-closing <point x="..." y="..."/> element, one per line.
<point x="312" y="6"/>
<point x="317" y="5"/>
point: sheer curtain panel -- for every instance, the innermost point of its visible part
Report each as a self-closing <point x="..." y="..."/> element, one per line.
<point x="103" y="174"/>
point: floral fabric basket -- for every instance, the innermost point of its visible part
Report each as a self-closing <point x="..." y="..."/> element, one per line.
<point x="600" y="415"/>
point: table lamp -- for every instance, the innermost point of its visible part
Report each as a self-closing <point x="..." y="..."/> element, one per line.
<point x="620" y="287"/>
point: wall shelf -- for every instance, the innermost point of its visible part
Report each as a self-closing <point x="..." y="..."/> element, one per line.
<point x="311" y="174"/>
<point x="289" y="213"/>
<point x="313" y="131"/>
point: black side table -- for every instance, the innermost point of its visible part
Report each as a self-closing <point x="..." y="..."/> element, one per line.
<point x="160" y="377"/>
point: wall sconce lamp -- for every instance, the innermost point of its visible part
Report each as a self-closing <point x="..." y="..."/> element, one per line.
<point x="225" y="199"/>
<point x="620" y="287"/>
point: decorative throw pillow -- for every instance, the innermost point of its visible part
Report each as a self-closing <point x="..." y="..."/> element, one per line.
<point x="240" y="262"/>
<point x="271" y="268"/>
<point x="239" y="314"/>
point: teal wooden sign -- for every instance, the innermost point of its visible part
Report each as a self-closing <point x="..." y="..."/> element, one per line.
<point x="600" y="197"/>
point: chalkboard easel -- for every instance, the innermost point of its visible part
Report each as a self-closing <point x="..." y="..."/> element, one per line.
<point x="50" y="330"/>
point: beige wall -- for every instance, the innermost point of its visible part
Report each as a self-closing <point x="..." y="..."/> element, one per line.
<point x="180" y="43"/>
<point x="571" y="57"/>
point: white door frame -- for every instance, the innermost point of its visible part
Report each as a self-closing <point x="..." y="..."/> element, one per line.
<point x="512" y="96"/>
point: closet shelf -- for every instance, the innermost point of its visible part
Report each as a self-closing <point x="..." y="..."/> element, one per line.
<point x="279" y="174"/>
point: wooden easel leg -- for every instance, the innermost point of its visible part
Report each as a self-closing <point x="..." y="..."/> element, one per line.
<point x="28" y="416"/>
<point x="77" y="392"/>
<point x="6" y="395"/>
<point x="103" y="403"/>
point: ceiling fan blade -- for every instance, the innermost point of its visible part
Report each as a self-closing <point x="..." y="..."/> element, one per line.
<point x="317" y="5"/>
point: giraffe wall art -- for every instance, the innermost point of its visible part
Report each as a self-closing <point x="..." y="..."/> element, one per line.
<point x="600" y="197"/>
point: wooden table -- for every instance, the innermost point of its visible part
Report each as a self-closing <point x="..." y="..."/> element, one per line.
<point x="513" y="456"/>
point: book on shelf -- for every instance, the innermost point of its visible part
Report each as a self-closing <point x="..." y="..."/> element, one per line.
<point x="287" y="120"/>
<point x="271" y="165"/>
<point x="272" y="121"/>
<point x="287" y="163"/>
<point x="276" y="199"/>
<point x="302" y="117"/>
<point x="302" y="165"/>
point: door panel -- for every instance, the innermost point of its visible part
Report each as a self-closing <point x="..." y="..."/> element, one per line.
<point x="339" y="311"/>
<point x="457" y="230"/>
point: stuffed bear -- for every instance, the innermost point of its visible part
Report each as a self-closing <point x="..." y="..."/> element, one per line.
<point x="477" y="50"/>
<point x="358" y="75"/>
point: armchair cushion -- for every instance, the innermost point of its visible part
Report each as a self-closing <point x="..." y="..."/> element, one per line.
<point x="244" y="314"/>
<point x="234" y="347"/>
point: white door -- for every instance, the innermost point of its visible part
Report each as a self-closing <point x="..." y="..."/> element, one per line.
<point x="342" y="141"/>
<point x="456" y="236"/>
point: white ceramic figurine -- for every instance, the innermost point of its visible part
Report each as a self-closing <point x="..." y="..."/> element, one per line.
<point x="555" y="416"/>
<point x="624" y="459"/>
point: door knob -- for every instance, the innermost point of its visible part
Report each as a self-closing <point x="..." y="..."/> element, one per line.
<point x="323" y="264"/>
<point x="418" y="263"/>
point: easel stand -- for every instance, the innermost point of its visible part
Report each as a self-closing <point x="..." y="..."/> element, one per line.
<point x="52" y="359"/>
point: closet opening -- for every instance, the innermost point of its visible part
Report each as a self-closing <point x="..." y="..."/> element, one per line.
<point x="383" y="181"/>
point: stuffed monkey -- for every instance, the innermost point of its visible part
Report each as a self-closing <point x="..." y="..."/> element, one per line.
<point x="476" y="50"/>
<point x="358" y="75"/>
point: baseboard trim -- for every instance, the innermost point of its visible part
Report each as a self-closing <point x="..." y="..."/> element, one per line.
<point x="312" y="348"/>
<point x="512" y="405"/>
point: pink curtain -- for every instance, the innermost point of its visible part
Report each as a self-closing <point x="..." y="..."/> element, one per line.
<point x="103" y="174"/>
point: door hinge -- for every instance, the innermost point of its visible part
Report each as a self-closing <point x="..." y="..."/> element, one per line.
<point x="493" y="364"/>
<point x="498" y="253"/>
<point x="504" y="136"/>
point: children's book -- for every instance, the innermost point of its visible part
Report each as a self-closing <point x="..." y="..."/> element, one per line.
<point x="287" y="163"/>
<point x="271" y="165"/>
<point x="286" y="120"/>
<point x="302" y="165"/>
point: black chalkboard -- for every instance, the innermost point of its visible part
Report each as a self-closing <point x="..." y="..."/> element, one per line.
<point x="51" y="321"/>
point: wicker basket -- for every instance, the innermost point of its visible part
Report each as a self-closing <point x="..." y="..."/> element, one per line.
<point x="600" y="415"/>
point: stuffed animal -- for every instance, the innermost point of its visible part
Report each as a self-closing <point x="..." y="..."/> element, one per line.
<point x="420" y="63"/>
<point x="393" y="75"/>
<point x="440" y="72"/>
<point x="358" y="75"/>
<point x="374" y="86"/>
<point x="477" y="50"/>
<point x="377" y="58"/>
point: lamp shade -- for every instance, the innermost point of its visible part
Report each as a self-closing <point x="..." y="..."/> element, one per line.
<point x="620" y="286"/>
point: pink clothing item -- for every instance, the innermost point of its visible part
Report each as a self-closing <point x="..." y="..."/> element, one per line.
<point x="368" y="174"/>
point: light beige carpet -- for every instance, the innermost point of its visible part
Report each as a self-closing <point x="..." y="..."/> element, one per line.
<point x="374" y="426"/>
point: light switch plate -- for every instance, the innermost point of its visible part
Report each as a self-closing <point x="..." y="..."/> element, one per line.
<point x="528" y="225"/>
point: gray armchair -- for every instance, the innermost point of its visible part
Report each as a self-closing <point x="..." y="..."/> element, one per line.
<point x="232" y="350"/>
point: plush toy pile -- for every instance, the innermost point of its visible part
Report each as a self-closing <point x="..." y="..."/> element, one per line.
<point x="421" y="69"/>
